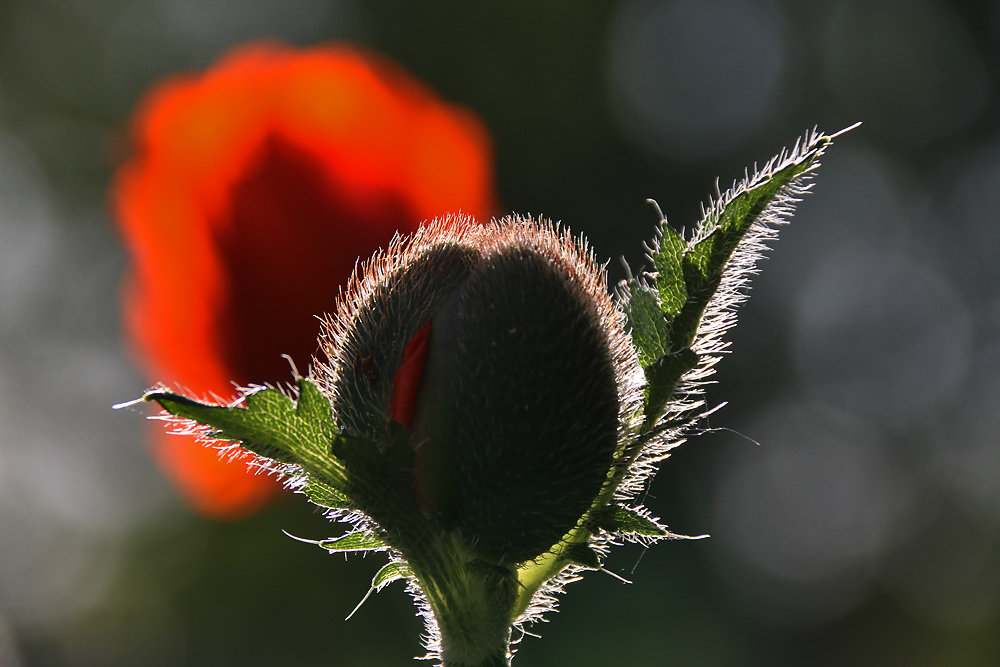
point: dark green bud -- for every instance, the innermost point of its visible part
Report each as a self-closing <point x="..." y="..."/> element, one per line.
<point x="500" y="350"/>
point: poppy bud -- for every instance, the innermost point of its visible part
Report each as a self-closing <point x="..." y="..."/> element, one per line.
<point x="499" y="349"/>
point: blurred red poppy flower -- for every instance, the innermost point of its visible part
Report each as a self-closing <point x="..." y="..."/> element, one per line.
<point x="253" y="190"/>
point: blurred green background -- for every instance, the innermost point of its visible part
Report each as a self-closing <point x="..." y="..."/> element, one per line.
<point x="865" y="528"/>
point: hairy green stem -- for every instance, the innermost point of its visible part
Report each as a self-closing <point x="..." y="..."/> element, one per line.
<point x="471" y="601"/>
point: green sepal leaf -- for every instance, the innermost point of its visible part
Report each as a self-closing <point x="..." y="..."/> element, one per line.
<point x="651" y="308"/>
<point x="354" y="451"/>
<point x="580" y="553"/>
<point x="326" y="496"/>
<point x="719" y="235"/>
<point x="359" y="540"/>
<point x="668" y="260"/>
<point x="268" y="423"/>
<point x="618" y="519"/>
<point x="666" y="308"/>
<point x="388" y="574"/>
<point x="391" y="572"/>
<point x="646" y="321"/>
<point x="662" y="377"/>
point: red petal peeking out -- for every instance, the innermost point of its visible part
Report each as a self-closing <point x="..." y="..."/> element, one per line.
<point x="406" y="382"/>
<point x="253" y="190"/>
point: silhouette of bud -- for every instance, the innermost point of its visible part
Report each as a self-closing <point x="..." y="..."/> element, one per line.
<point x="499" y="349"/>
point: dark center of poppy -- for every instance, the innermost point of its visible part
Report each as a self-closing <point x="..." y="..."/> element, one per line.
<point x="292" y="239"/>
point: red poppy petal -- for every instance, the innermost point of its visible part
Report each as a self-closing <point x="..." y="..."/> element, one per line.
<point x="254" y="189"/>
<point x="406" y="383"/>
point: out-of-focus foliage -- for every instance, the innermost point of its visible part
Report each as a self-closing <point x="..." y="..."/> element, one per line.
<point x="864" y="530"/>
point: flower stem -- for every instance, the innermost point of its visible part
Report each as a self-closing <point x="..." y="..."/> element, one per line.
<point x="471" y="601"/>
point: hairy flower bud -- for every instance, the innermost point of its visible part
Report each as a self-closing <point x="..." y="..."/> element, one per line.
<point x="499" y="349"/>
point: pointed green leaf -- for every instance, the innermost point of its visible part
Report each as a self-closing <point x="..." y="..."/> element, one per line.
<point x="580" y="553"/>
<point x="355" y="451"/>
<point x="618" y="519"/>
<point x="269" y="424"/>
<point x="314" y="408"/>
<point x="360" y="540"/>
<point x="390" y="573"/>
<point x="662" y="377"/>
<point x="647" y="323"/>
<point x="668" y="262"/>
<point x="326" y="496"/>
<point x="757" y="203"/>
<point x="688" y="274"/>
<point x="650" y="308"/>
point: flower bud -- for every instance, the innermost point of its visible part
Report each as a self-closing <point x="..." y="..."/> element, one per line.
<point x="500" y="351"/>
